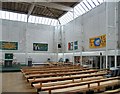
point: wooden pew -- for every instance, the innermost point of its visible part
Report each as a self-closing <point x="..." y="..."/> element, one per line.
<point x="35" y="67"/>
<point x="54" y="71"/>
<point x="60" y="74"/>
<point x="39" y="88"/>
<point x="38" y="80"/>
<point x="98" y="89"/>
<point x="49" y="68"/>
<point x="112" y="91"/>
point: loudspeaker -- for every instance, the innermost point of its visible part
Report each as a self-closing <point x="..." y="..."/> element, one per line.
<point x="100" y="53"/>
<point x="59" y="45"/>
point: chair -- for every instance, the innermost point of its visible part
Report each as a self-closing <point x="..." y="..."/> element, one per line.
<point x="116" y="87"/>
<point x="118" y="73"/>
<point x="113" y="72"/>
<point x="79" y="93"/>
<point x="108" y="88"/>
<point x="90" y="92"/>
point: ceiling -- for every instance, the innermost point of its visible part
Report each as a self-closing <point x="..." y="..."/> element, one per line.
<point x="43" y="9"/>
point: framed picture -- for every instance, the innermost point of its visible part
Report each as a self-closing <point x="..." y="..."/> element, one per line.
<point x="75" y="45"/>
<point x="40" y="47"/>
<point x="4" y="45"/>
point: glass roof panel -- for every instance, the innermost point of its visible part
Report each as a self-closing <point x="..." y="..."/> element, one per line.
<point x="96" y="2"/>
<point x="79" y="9"/>
<point x="86" y="3"/>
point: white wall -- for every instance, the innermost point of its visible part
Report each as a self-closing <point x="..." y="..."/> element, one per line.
<point x="89" y="25"/>
<point x="92" y="23"/>
<point x="72" y="33"/>
<point x="16" y="31"/>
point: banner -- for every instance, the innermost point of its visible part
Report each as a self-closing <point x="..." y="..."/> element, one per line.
<point x="97" y="42"/>
<point x="40" y="47"/>
<point x="4" y="45"/>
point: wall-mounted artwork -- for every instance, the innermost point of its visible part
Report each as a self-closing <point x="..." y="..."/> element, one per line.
<point x="97" y="42"/>
<point x="75" y="45"/>
<point x="4" y="45"/>
<point x="70" y="46"/>
<point x="40" y="47"/>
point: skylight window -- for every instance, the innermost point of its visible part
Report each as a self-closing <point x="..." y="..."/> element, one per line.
<point x="43" y="21"/>
<point x="84" y="6"/>
<point x="19" y="17"/>
<point x="77" y="12"/>
<point x="11" y="16"/>
<point x="101" y="1"/>
<point x="23" y="18"/>
<point x="49" y="21"/>
<point x="7" y="15"/>
<point x="3" y="15"/>
<point x="15" y="16"/>
<point x="81" y="8"/>
<point x="55" y="23"/>
<point x="86" y="3"/>
<point x="69" y="15"/>
<point x="36" y="19"/>
<point x="91" y="3"/>
<point x="31" y="19"/>
<point x="46" y="21"/>
<point x="96" y="2"/>
<point x="0" y="14"/>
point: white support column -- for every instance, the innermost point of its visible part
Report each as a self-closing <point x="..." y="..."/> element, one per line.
<point x="104" y="62"/>
<point x="81" y="41"/>
<point x="73" y="31"/>
<point x="57" y="46"/>
<point x="54" y="44"/>
<point x="63" y="43"/>
<point x="110" y="61"/>
<point x="115" y="34"/>
<point x="106" y="33"/>
<point x="26" y="38"/>
<point x="100" y="61"/>
<point x="1" y="56"/>
<point x="26" y="50"/>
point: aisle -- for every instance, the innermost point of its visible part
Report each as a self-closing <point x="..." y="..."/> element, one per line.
<point x="14" y="82"/>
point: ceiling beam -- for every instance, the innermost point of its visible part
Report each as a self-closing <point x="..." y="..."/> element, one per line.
<point x="30" y="10"/>
<point x="55" y="6"/>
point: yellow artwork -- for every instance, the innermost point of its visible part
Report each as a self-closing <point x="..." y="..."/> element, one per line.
<point x="97" y="42"/>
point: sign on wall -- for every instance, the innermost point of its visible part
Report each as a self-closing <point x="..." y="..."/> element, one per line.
<point x="4" y="45"/>
<point x="97" y="42"/>
<point x="75" y="45"/>
<point x="40" y="47"/>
